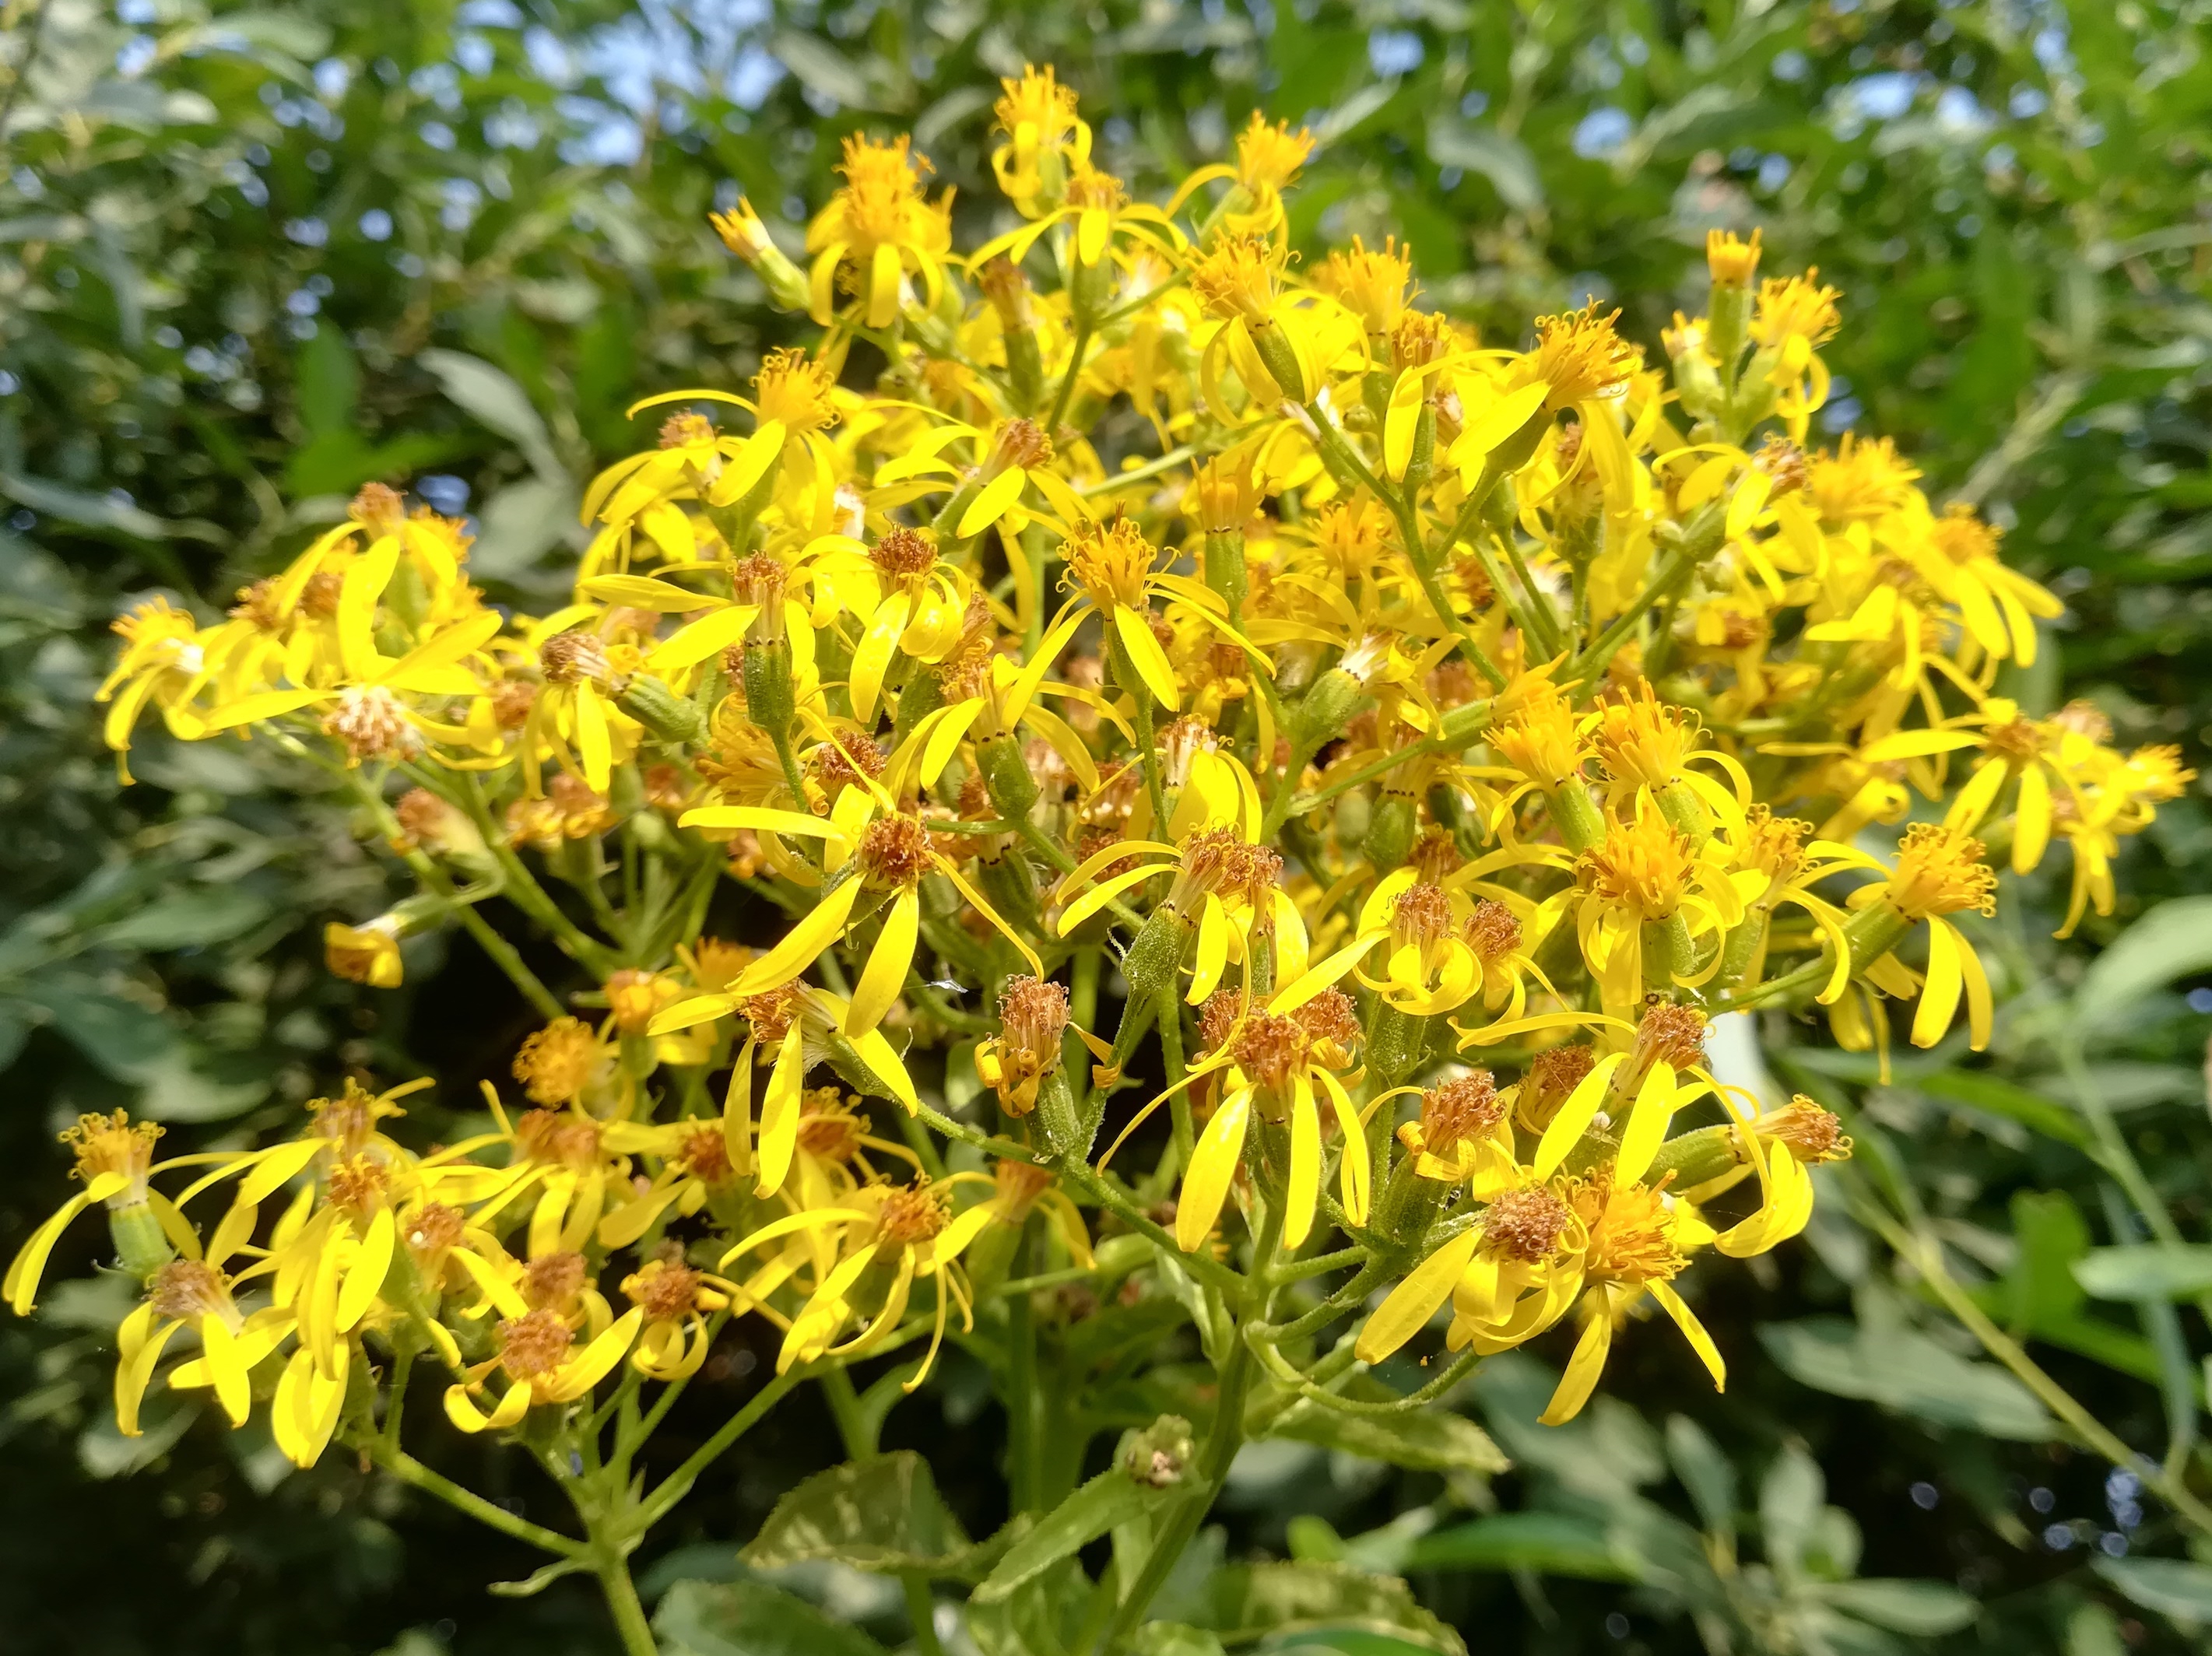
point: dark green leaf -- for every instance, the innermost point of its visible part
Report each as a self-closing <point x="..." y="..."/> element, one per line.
<point x="1113" y="1497"/>
<point x="1550" y="1543"/>
<point x="2172" y="941"/>
<point x="881" y="1514"/>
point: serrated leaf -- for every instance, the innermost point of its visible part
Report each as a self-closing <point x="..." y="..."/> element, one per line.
<point x="750" y="1618"/>
<point x="1430" y="1441"/>
<point x="882" y="1514"/>
<point x="1113" y="1497"/>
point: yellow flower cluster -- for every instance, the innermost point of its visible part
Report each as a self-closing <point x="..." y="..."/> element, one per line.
<point x="1379" y="699"/>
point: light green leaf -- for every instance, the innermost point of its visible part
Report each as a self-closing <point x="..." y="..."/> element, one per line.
<point x="188" y="919"/>
<point x="2179" y="1589"/>
<point x="1705" y="1471"/>
<point x="821" y="68"/>
<point x="495" y="400"/>
<point x="1790" y="1497"/>
<point x="1504" y="162"/>
<point x="1928" y="1609"/>
<point x="1113" y="1497"/>
<point x="2171" y="941"/>
<point x="1550" y="1543"/>
<point x="2148" y="1271"/>
<point x="1326" y="1600"/>
<point x="750" y="1618"/>
<point x="1909" y="1372"/>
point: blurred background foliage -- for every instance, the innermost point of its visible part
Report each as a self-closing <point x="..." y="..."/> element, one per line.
<point x="254" y="257"/>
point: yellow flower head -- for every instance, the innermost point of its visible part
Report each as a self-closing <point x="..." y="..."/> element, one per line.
<point x="1109" y="562"/>
<point x="1796" y="308"/>
<point x="1459" y="1111"/>
<point x="1642" y="740"/>
<point x="366" y="954"/>
<point x="742" y="231"/>
<point x="882" y="192"/>
<point x="113" y="1143"/>
<point x="913" y="1214"/>
<point x="1032" y="1016"/>
<point x="1236" y="277"/>
<point x="632" y="997"/>
<point x="556" y="1063"/>
<point x="1643" y="865"/>
<point x="1775" y="846"/>
<point x="1036" y="112"/>
<point x="1374" y="284"/>
<point x="1811" y="1134"/>
<point x="1540" y="740"/>
<point x="1631" y="1232"/>
<point x="1088" y="188"/>
<point x="1860" y="481"/>
<point x="378" y="507"/>
<point x="2154" y="774"/>
<point x="155" y="633"/>
<point x="1268" y="157"/>
<point x="1963" y="538"/>
<point x="1732" y="261"/>
<point x="1227" y="493"/>
<point x="1579" y="356"/>
<point x="1526" y="1225"/>
<point x="793" y="392"/>
<point x="1940" y="871"/>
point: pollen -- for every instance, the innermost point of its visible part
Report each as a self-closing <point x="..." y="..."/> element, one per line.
<point x="1040" y="103"/>
<point x="187" y="1289"/>
<point x="1464" y="1107"/>
<point x="705" y="1155"/>
<point x="1860" y="481"/>
<point x="1940" y="871"/>
<point x="1773" y="844"/>
<point x="1579" y="356"/>
<point x="1330" y="1018"/>
<point x="1236" y="277"/>
<point x="1670" y="1035"/>
<point x="432" y="1228"/>
<point x="688" y="429"/>
<point x="1021" y="444"/>
<point x="113" y="1143"/>
<point x="1643" y="865"/>
<point x="913" y="1213"/>
<point x="1493" y="930"/>
<point x="370" y="723"/>
<point x="827" y="1129"/>
<point x="1643" y="740"/>
<point x="1552" y="1074"/>
<point x="556" y="1063"/>
<point x="571" y="1141"/>
<point x="1374" y="284"/>
<point x="1269" y="1048"/>
<point x="771" y="1013"/>
<point x="1032" y="1015"/>
<point x="758" y="580"/>
<point x="634" y="996"/>
<point x="360" y="1184"/>
<point x="1785" y="463"/>
<point x="893" y="851"/>
<point x="904" y="553"/>
<point x="1632" y="1234"/>
<point x="1812" y="1133"/>
<point x="531" y="1347"/>
<point x="1110" y="561"/>
<point x="1525" y="1224"/>
<point x="1963" y="538"/>
<point x="552" y="1281"/>
<point x="883" y="184"/>
<point x="378" y="507"/>
<point x="664" y="1290"/>
<point x="1422" y="917"/>
<point x="575" y="658"/>
<point x="1540" y="740"/>
<point x="1217" y="1018"/>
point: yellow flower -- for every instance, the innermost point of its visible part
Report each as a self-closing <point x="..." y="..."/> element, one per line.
<point x="1376" y="284"/>
<point x="540" y="1364"/>
<point x="1044" y="135"/>
<point x="878" y="229"/>
<point x="1732" y="261"/>
<point x="366" y="954"/>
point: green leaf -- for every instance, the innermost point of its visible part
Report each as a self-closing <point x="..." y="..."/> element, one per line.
<point x="1249" y="1601"/>
<point x="120" y="1036"/>
<point x="1043" y="1618"/>
<point x="330" y="382"/>
<point x="1705" y="1471"/>
<point x="2147" y="1270"/>
<point x="495" y="400"/>
<point x="2170" y="941"/>
<point x="1504" y="162"/>
<point x="1909" y="1372"/>
<point x="1791" y="1498"/>
<point x="2040" y="1289"/>
<point x="1550" y="1543"/>
<point x="1175" y="1639"/>
<point x="1113" y="1497"/>
<point x="1996" y="1096"/>
<point x="882" y="1514"/>
<point x="188" y="919"/>
<point x="822" y="69"/>
<point x="750" y="1618"/>
<point x="2177" y="1588"/>
<point x="1928" y="1609"/>
<point x="519" y="525"/>
<point x="1430" y="1441"/>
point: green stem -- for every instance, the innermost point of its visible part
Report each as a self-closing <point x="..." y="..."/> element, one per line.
<point x="921" y="1613"/>
<point x="1022" y="1397"/>
<point x="678" y="1484"/>
<point x="851" y="1421"/>
<point x="628" y="1611"/>
<point x="1067" y="392"/>
<point x="1203" y="1266"/>
<point x="408" y="1470"/>
<point x="1223" y="1438"/>
<point x="1171" y="1022"/>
